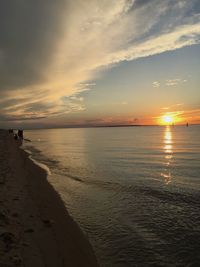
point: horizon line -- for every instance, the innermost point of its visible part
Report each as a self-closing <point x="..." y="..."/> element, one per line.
<point x="98" y="126"/>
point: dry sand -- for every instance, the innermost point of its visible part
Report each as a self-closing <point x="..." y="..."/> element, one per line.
<point x="35" y="228"/>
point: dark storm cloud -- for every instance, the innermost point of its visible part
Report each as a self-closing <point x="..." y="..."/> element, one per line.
<point x="28" y="33"/>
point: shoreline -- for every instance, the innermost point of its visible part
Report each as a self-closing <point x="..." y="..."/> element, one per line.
<point x="35" y="227"/>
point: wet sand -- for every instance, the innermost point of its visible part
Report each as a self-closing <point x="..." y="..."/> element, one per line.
<point x="35" y="228"/>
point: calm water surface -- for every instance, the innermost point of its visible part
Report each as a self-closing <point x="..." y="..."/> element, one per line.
<point x="134" y="191"/>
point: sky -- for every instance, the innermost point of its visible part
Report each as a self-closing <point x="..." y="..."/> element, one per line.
<point x="98" y="62"/>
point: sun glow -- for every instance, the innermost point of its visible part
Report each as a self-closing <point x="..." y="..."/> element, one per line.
<point x="168" y="119"/>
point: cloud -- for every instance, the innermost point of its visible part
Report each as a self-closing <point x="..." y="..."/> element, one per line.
<point x="179" y="104"/>
<point x="190" y="115"/>
<point x="173" y="106"/>
<point x="173" y="82"/>
<point x="156" y="84"/>
<point x="169" y="82"/>
<point x="49" y="50"/>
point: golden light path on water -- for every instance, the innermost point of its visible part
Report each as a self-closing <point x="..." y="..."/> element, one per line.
<point x="168" y="150"/>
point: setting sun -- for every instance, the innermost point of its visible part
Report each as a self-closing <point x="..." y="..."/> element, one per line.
<point x="167" y="119"/>
<point x="171" y="118"/>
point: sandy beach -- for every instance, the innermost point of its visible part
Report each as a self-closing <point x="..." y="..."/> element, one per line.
<point x="35" y="228"/>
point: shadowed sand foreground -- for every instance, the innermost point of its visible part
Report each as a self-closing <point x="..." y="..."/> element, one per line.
<point x="35" y="228"/>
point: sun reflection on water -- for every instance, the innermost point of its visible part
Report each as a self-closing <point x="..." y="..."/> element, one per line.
<point x="168" y="150"/>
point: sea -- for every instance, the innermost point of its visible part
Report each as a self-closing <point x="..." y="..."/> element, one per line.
<point x="134" y="191"/>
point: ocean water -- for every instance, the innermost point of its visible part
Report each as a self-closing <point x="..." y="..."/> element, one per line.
<point x="134" y="191"/>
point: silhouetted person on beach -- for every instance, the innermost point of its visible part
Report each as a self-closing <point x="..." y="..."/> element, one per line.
<point x="20" y="134"/>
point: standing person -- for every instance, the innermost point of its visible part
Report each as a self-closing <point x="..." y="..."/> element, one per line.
<point x="20" y="134"/>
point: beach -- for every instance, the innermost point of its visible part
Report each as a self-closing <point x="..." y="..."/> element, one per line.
<point x="35" y="227"/>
